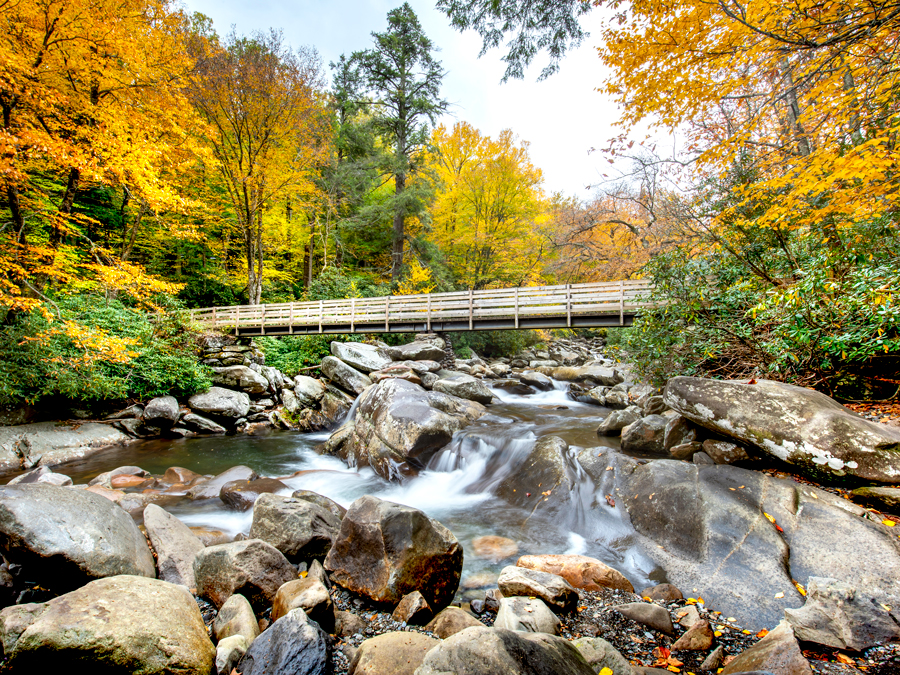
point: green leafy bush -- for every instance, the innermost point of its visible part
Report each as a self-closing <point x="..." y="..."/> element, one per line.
<point x="492" y="343"/>
<point x="96" y="349"/>
<point x="290" y="354"/>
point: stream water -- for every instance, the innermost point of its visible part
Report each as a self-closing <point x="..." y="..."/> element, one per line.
<point x="457" y="488"/>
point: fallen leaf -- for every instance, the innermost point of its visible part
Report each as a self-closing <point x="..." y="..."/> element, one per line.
<point x="752" y="381"/>
<point x="731" y="618"/>
<point x="843" y="658"/>
<point x="741" y="487"/>
<point x="889" y="523"/>
<point x="779" y="595"/>
<point x="547" y="493"/>
<point x="800" y="589"/>
<point x="762" y="633"/>
<point x="747" y="632"/>
<point x="527" y="494"/>
<point x="609" y="468"/>
<point x="606" y="671"/>
<point x="718" y="633"/>
<point x="651" y="495"/>
<point x="700" y="601"/>
<point x="768" y="517"/>
<point x="673" y="669"/>
<point x="691" y="601"/>
<point x="672" y="661"/>
<point x="610" y="501"/>
<point x="887" y="608"/>
<point x="661" y="652"/>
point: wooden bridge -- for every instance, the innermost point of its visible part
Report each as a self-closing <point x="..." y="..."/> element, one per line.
<point x="569" y="306"/>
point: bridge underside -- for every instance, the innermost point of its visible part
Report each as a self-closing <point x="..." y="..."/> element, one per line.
<point x="600" y="321"/>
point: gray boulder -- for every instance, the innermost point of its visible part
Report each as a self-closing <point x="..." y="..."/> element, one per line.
<point x="321" y="500"/>
<point x="551" y="588"/>
<point x="466" y="387"/>
<point x="123" y="624"/>
<point x="175" y="545"/>
<point x="550" y="469"/>
<point x="451" y="620"/>
<point x="161" y="412"/>
<point x="599" y="375"/>
<point x="201" y="424"/>
<point x="886" y="498"/>
<point x="645" y="435"/>
<point x="420" y="350"/>
<point x="526" y="614"/>
<point x="650" y="615"/>
<point x="386" y="550"/>
<point x="600" y="654"/>
<point x="724" y="452"/>
<point x="399" y="426"/>
<point x="837" y="615"/>
<point x="617" y="420"/>
<point x="778" y="652"/>
<point x="252" y="568"/>
<point x="241" y="495"/>
<point x="397" y="653"/>
<point x="42" y="474"/>
<point x="344" y="376"/>
<point x="294" y="644"/>
<point x="308" y="390"/>
<point x="221" y="403"/>
<point x="799" y="426"/>
<point x="236" y="617"/>
<point x="50" y="443"/>
<point x="365" y="358"/>
<point x="494" y="651"/>
<point x="242" y="378"/>
<point x="679" y="430"/>
<point x="300" y="529"/>
<point x="536" y="380"/>
<point x="66" y="537"/>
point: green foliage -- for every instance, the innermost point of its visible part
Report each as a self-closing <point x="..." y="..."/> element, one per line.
<point x="334" y="283"/>
<point x="292" y="353"/>
<point x="492" y="343"/>
<point x="807" y="309"/>
<point x="54" y="364"/>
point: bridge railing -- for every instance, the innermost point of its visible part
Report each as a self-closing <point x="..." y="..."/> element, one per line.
<point x="515" y="304"/>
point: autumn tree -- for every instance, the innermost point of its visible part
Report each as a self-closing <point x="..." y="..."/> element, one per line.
<point x="267" y="131"/>
<point x="489" y="209"/>
<point x="403" y="78"/>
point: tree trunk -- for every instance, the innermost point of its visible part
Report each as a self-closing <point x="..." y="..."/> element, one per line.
<point x="308" y="260"/>
<point x="399" y="222"/>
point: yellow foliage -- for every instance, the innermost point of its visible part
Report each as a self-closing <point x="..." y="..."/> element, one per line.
<point x="417" y="281"/>
<point x="94" y="344"/>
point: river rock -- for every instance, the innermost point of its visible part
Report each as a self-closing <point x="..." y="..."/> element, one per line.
<point x="161" y="411"/>
<point x="399" y="426"/>
<point x="397" y="373"/>
<point x="687" y="451"/>
<point x="211" y="488"/>
<point x="545" y="481"/>
<point x="346" y="377"/>
<point x="413" y="609"/>
<point x="600" y="654"/>
<point x="42" y="474"/>
<point x="551" y="588"/>
<point x="308" y="391"/>
<point x="66" y="537"/>
<point x="419" y="350"/>
<point x="236" y="617"/>
<point x="492" y="547"/>
<point x="201" y="425"/>
<point x="50" y="443"/>
<point x="607" y="377"/>
<point x="617" y="399"/>
<point x="797" y="425"/>
<point x="122" y="624"/>
<point x="706" y="526"/>
<point x="397" y="653"/>
<point x="321" y="500"/>
<point x="687" y="616"/>
<point x="493" y="651"/>
<point x="617" y="420"/>
<point x="778" y="652"/>
<point x="699" y="637"/>
<point x="724" y="452"/>
<point x="536" y="380"/>
<point x="645" y="435"/>
<point x="580" y="571"/>
<point x="664" y="593"/>
<point x="229" y="653"/>
<point x="310" y="595"/>
<point x="837" y="615"/>
<point x="175" y="545"/>
<point x="294" y="644"/>
<point x="300" y="529"/>
<point x="241" y="495"/>
<point x="221" y="403"/>
<point x="679" y="430"/>
<point x="880" y="497"/>
<point x="386" y="550"/>
<point x="336" y="403"/>
<point x="242" y="378"/>
<point x="251" y="567"/>
<point x="526" y="614"/>
<point x="178" y="474"/>
<point x="450" y="621"/>
<point x="648" y="614"/>
<point x="365" y="358"/>
<point x="466" y="387"/>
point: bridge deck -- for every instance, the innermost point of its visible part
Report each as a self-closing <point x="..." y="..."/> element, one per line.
<point x="573" y="305"/>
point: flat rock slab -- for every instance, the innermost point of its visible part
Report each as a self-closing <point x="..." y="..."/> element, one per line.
<point x="551" y="588"/>
<point x="581" y="571"/>
<point x="365" y="358"/>
<point x="175" y="545"/>
<point x="66" y="537"/>
<point x="51" y="443"/>
<point x="123" y="624"/>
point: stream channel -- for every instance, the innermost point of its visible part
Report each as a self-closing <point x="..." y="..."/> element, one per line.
<point x="457" y="488"/>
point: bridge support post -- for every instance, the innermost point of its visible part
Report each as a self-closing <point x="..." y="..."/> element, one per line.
<point x="352" y="315"/>
<point x="517" y="307"/>
<point x="470" y="308"/>
<point x="262" y="322"/>
<point x="621" y="303"/>
<point x="569" y="305"/>
<point x="291" y="320"/>
<point x="237" y="319"/>
<point x="321" y="312"/>
<point x="428" y="319"/>
<point x="387" y="314"/>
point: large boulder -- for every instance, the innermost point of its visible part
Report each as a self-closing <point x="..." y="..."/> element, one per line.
<point x="175" y="545"/>
<point x="600" y="654"/>
<point x="365" y="358"/>
<point x="240" y="377"/>
<point x="123" y="624"/>
<point x="799" y="426"/>
<point x="399" y="426"/>
<point x="745" y="538"/>
<point x="526" y="614"/>
<point x="545" y="481"/>
<point x="551" y="588"/>
<point x="252" y="568"/>
<point x="537" y="380"/>
<point x="597" y="374"/>
<point x="419" y="350"/>
<point x="495" y="651"/>
<point x="241" y="495"/>
<point x="344" y="376"/>
<point x="65" y="537"/>
<point x="646" y="435"/>
<point x="464" y="386"/>
<point x="221" y="403"/>
<point x="580" y="571"/>
<point x="50" y="443"/>
<point x="294" y="644"/>
<point x="300" y="529"/>
<point x="778" y="652"/>
<point x="397" y="653"/>
<point x="161" y="412"/>
<point x="386" y="550"/>
<point x="617" y="420"/>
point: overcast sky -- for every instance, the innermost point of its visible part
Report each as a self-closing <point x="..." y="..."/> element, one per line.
<point x="562" y="117"/>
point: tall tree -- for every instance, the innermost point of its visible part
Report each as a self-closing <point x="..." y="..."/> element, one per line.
<point x="267" y="130"/>
<point x="404" y="78"/>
